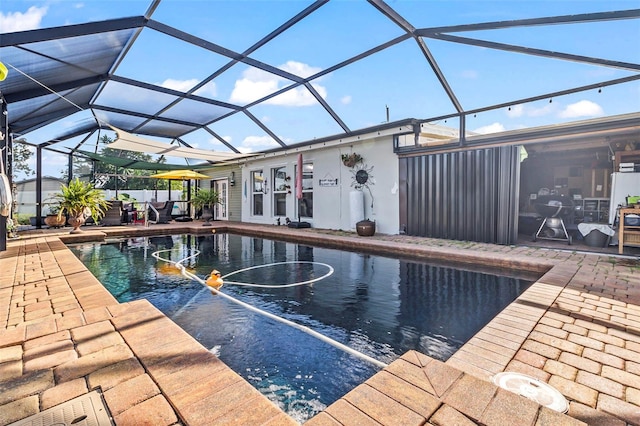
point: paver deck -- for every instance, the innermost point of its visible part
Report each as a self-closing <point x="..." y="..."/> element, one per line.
<point x="577" y="328"/>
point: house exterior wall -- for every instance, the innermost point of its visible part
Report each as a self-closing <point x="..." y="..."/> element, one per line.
<point x="331" y="204"/>
<point x="235" y="191"/>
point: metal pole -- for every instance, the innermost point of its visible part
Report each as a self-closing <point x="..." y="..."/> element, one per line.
<point x="38" y="187"/>
<point x="70" y="167"/>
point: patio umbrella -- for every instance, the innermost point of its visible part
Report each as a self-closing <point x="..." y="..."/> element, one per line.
<point x="3" y="71"/>
<point x="180" y="175"/>
<point x="299" y="180"/>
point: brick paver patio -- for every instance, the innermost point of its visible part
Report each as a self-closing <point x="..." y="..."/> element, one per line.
<point x="577" y="328"/>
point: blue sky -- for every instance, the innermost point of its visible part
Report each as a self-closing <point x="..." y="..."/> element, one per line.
<point x="398" y="77"/>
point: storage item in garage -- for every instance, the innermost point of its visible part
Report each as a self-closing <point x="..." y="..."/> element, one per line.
<point x="596" y="238"/>
<point x="631" y="200"/>
<point x="596" y="234"/>
<point x="627" y="167"/>
<point x="632" y="220"/>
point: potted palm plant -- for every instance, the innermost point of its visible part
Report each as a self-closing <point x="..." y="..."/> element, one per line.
<point x="80" y="200"/>
<point x="205" y="199"/>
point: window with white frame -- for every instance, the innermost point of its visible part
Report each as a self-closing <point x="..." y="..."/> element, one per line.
<point x="281" y="187"/>
<point x="258" y="188"/>
<point x="305" y="204"/>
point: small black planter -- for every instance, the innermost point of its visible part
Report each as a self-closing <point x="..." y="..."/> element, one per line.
<point x="366" y="228"/>
<point x="32" y="220"/>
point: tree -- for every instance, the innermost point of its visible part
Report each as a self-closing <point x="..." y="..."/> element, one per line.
<point x="22" y="153"/>
<point x="129" y="178"/>
<point x="82" y="168"/>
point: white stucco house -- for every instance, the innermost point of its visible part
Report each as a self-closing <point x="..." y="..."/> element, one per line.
<point x="269" y="185"/>
<point x="269" y="181"/>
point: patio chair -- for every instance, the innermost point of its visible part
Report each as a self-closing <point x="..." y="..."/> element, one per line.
<point x="163" y="214"/>
<point x="115" y="214"/>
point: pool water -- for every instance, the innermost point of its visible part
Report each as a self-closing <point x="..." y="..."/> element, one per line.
<point x="377" y="305"/>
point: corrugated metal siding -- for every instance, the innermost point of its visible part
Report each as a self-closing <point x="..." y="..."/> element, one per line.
<point x="470" y="195"/>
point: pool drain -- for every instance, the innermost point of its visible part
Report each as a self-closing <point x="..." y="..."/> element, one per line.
<point x="532" y="389"/>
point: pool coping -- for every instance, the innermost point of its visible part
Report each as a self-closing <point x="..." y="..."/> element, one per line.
<point x="506" y="343"/>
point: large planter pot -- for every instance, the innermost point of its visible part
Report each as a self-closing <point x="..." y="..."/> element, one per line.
<point x="53" y="221"/>
<point x="366" y="228"/>
<point x="76" y="222"/>
<point x="207" y="215"/>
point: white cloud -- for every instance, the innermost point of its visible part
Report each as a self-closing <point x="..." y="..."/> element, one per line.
<point x="208" y="90"/>
<point x="582" y="108"/>
<point x="345" y="100"/>
<point x="78" y="5"/>
<point x="491" y="128"/>
<point x="18" y="21"/>
<point x="300" y="69"/>
<point x="539" y="112"/>
<point x="185" y="85"/>
<point x="179" y="85"/>
<point x="298" y="97"/>
<point x="515" y="111"/>
<point x="217" y="143"/>
<point x="262" y="141"/>
<point x="256" y="84"/>
<point x="257" y="143"/>
<point x="520" y="110"/>
<point x="247" y="90"/>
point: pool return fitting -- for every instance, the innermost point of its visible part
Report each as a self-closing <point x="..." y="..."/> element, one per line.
<point x="304" y="329"/>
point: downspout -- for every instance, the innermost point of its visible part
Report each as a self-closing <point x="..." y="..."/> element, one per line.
<point x="463" y="130"/>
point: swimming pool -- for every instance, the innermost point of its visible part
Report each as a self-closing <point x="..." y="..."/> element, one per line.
<point x="377" y="305"/>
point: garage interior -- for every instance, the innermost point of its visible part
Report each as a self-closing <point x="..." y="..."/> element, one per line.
<point x="583" y="175"/>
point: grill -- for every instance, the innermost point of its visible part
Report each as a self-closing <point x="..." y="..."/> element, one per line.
<point x="555" y="209"/>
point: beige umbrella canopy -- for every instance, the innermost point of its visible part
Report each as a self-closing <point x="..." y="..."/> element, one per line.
<point x="180" y="175"/>
<point x="130" y="142"/>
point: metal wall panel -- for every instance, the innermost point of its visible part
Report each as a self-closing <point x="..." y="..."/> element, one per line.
<point x="467" y="195"/>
